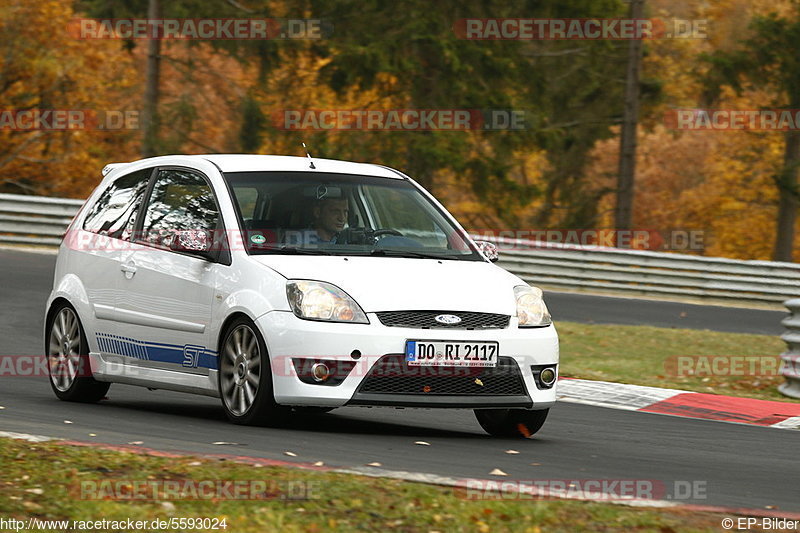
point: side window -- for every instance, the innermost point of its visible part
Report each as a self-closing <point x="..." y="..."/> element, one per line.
<point x="114" y="213"/>
<point x="181" y="201"/>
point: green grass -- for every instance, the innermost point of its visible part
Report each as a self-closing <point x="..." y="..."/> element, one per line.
<point x="44" y="480"/>
<point x="642" y="355"/>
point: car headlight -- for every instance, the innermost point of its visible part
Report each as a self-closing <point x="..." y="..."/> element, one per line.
<point x="531" y="310"/>
<point x="317" y="300"/>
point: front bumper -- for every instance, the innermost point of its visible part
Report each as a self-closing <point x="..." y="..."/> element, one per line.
<point x="289" y="338"/>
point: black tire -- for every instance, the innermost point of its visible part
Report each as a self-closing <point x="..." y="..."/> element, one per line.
<point x="262" y="410"/>
<point x="80" y="385"/>
<point x="519" y="423"/>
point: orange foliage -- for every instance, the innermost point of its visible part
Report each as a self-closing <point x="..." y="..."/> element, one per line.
<point x="719" y="182"/>
<point x="45" y="68"/>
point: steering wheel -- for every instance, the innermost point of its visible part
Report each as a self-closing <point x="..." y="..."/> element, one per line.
<point x="387" y="231"/>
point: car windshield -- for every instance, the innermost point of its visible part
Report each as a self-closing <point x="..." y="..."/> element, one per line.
<point x="316" y="213"/>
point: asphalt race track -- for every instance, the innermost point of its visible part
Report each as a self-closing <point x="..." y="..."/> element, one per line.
<point x="739" y="466"/>
<point x="610" y="310"/>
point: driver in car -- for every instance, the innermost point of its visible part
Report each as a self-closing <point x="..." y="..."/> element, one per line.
<point x="330" y="217"/>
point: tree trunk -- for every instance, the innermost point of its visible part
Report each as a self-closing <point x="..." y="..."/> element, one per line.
<point x="627" y="154"/>
<point x="150" y="112"/>
<point x="788" y="204"/>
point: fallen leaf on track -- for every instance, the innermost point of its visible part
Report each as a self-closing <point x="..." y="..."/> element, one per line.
<point x="523" y="430"/>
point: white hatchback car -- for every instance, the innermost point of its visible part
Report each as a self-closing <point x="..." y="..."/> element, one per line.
<point x="286" y="285"/>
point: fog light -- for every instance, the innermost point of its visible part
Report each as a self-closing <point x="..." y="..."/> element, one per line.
<point x="548" y="376"/>
<point x="320" y="372"/>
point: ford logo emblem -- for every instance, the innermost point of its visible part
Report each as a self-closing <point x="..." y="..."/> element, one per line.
<point x="448" y="320"/>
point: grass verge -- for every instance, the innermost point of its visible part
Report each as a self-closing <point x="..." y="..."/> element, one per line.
<point x="646" y="355"/>
<point x="46" y="480"/>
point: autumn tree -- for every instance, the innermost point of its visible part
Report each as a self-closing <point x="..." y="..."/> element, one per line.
<point x="44" y="67"/>
<point x="408" y="56"/>
<point x="183" y="58"/>
<point x="768" y="59"/>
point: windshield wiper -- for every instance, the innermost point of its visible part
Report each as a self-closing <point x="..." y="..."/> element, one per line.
<point x="408" y="253"/>
<point x="291" y="250"/>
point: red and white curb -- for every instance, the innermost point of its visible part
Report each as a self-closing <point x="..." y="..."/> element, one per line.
<point x="507" y="489"/>
<point x="687" y="404"/>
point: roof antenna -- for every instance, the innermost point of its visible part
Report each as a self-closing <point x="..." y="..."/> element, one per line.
<point x="310" y="161"/>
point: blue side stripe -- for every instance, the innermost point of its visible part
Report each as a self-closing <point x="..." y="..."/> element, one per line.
<point x="177" y="355"/>
<point x="188" y="356"/>
<point x="176" y="346"/>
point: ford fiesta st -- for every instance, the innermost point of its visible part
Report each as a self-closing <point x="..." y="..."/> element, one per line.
<point x="284" y="285"/>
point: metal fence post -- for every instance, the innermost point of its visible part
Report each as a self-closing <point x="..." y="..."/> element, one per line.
<point x="791" y="357"/>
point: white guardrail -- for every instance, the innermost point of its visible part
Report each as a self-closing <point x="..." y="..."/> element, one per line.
<point x="791" y="357"/>
<point x="35" y="219"/>
<point x="644" y="273"/>
<point x="41" y="221"/>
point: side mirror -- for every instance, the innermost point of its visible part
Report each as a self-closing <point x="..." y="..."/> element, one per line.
<point x="197" y="242"/>
<point x="489" y="250"/>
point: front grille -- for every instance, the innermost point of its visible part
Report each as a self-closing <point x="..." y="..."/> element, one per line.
<point x="392" y="375"/>
<point x="427" y="320"/>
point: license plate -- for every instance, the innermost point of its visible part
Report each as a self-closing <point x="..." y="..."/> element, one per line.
<point x="449" y="353"/>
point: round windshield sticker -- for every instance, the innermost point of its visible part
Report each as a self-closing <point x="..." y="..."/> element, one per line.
<point x="258" y="239"/>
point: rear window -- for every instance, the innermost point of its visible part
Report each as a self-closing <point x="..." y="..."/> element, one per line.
<point x="114" y="213"/>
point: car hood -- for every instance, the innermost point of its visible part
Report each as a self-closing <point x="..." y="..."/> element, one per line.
<point x="398" y="283"/>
